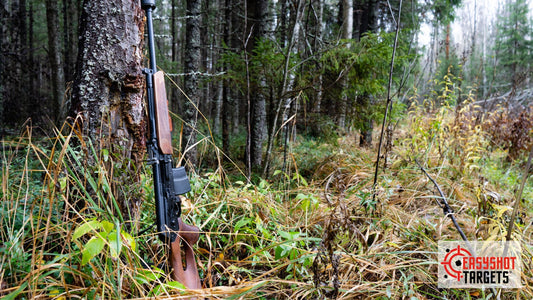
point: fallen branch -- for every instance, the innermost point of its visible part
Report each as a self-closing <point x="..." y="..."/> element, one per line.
<point x="446" y="209"/>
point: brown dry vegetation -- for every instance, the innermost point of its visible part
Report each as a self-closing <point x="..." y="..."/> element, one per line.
<point x="320" y="236"/>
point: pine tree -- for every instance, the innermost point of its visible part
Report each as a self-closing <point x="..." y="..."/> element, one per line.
<point x="513" y="44"/>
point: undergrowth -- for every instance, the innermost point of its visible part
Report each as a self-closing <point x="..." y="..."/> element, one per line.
<point x="302" y="233"/>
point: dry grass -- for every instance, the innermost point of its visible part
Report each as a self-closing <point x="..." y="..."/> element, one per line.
<point x="286" y="237"/>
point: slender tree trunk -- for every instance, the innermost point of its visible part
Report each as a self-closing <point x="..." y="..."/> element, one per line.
<point x="283" y="23"/>
<point x="176" y="33"/>
<point x="514" y="68"/>
<point x="256" y="20"/>
<point x="320" y="79"/>
<point x="283" y="107"/>
<point x="368" y="24"/>
<point x="347" y="33"/>
<point x="3" y="60"/>
<point x="217" y="84"/>
<point x="447" y="44"/>
<point x="192" y="64"/>
<point x="205" y="60"/>
<point x="238" y="104"/>
<point x="70" y="33"/>
<point x="290" y="105"/>
<point x="14" y="77"/>
<point x="109" y="87"/>
<point x="226" y="107"/>
<point x="347" y="13"/>
<point x="33" y="77"/>
<point x="54" y="56"/>
<point x="217" y="122"/>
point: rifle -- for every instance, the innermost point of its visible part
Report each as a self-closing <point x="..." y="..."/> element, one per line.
<point x="169" y="182"/>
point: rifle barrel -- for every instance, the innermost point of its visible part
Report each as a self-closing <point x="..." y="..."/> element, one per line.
<point x="151" y="44"/>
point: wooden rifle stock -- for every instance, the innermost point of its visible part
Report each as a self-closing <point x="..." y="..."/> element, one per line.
<point x="187" y="236"/>
<point x="162" y="116"/>
<point x="169" y="182"/>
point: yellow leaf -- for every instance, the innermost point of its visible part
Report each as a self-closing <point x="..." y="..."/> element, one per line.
<point x="392" y="244"/>
<point x="501" y="209"/>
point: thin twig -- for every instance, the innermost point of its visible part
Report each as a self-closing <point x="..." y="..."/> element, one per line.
<point x="387" y="105"/>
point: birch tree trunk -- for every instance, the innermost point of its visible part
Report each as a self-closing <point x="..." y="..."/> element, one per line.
<point x="347" y="33"/>
<point x="283" y="107"/>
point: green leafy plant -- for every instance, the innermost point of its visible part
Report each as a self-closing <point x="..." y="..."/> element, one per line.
<point x="103" y="233"/>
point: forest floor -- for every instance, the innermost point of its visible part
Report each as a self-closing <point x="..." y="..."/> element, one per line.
<point x="311" y="231"/>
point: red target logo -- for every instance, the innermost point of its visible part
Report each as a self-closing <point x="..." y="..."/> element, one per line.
<point x="453" y="262"/>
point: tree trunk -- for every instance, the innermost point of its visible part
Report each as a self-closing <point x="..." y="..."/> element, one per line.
<point x="109" y="87"/>
<point x="288" y="84"/>
<point x="190" y="87"/>
<point x="33" y="70"/>
<point x="3" y="60"/>
<point x="176" y="31"/>
<point x="368" y="24"/>
<point x="283" y="23"/>
<point x="256" y="21"/>
<point x="226" y="107"/>
<point x="347" y="33"/>
<point x="447" y="44"/>
<point x="54" y="57"/>
<point x="320" y="80"/>
<point x="347" y="16"/>
<point x="70" y="20"/>
<point x="14" y="65"/>
<point x="217" y="84"/>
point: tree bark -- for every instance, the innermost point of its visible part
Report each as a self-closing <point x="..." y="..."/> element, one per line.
<point x="369" y="22"/>
<point x="256" y="21"/>
<point x="190" y="87"/>
<point x="227" y="105"/>
<point x="109" y="86"/>
<point x="54" y="57"/>
<point x="347" y="33"/>
<point x="447" y="44"/>
<point x="288" y="83"/>
<point x="14" y="66"/>
<point x="283" y="23"/>
<point x="3" y="60"/>
<point x="70" y="20"/>
<point x="176" y="31"/>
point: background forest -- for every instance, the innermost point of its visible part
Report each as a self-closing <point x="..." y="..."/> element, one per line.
<point x="300" y="122"/>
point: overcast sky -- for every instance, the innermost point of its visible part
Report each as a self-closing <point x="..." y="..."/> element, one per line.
<point x="486" y="12"/>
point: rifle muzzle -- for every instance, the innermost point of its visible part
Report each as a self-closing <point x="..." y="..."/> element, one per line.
<point x="148" y="4"/>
